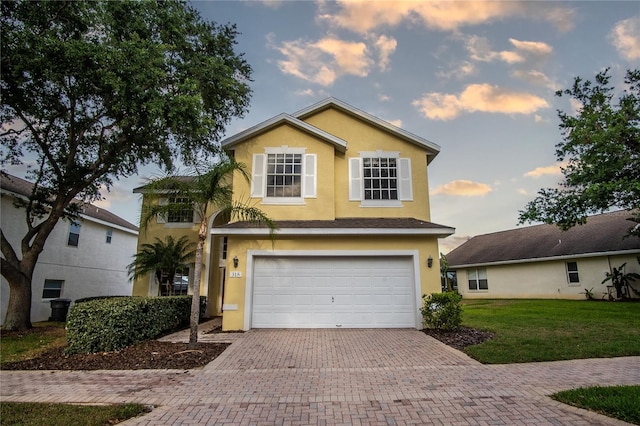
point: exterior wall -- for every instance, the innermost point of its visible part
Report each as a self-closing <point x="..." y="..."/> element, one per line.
<point x="361" y="136"/>
<point x="548" y="279"/>
<point x="94" y="268"/>
<point x="233" y="319"/>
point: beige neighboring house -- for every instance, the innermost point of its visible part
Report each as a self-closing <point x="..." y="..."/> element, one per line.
<point x="82" y="259"/>
<point x="544" y="262"/>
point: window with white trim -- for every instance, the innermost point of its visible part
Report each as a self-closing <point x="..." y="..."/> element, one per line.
<point x="478" y="279"/>
<point x="284" y="176"/>
<point x="380" y="179"/>
<point x="74" y="234"/>
<point x="572" y="273"/>
<point x="183" y="211"/>
<point x="52" y="289"/>
<point x="109" y="236"/>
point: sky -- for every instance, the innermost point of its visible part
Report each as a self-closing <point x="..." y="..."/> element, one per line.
<point x="478" y="78"/>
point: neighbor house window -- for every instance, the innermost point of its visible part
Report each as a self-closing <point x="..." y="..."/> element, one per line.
<point x="74" y="234"/>
<point x="52" y="289"/>
<point x="380" y="179"/>
<point x="284" y="175"/>
<point x="109" y="236"/>
<point x="478" y="279"/>
<point x="183" y="211"/>
<point x="572" y="273"/>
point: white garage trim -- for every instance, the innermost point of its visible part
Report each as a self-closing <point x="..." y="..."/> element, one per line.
<point x="252" y="254"/>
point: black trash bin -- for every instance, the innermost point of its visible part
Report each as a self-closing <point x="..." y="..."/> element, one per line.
<point x="59" y="309"/>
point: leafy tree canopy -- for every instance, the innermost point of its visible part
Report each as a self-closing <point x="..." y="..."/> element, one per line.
<point x="93" y="90"/>
<point x="601" y="153"/>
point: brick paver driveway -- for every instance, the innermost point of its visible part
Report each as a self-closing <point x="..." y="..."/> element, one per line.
<point x="365" y="377"/>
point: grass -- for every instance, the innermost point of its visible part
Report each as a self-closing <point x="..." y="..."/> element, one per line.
<point x="620" y="402"/>
<point x="44" y="336"/>
<point x="548" y="330"/>
<point x="36" y="414"/>
<point x="19" y="346"/>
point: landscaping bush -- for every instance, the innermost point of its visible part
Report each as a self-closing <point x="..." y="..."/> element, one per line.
<point x="442" y="311"/>
<point x="104" y="325"/>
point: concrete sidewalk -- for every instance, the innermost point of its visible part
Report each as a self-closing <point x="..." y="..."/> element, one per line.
<point x="328" y="377"/>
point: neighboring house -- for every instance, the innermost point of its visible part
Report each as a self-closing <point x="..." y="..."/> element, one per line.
<point x="544" y="262"/>
<point x="82" y="259"/>
<point x="355" y="247"/>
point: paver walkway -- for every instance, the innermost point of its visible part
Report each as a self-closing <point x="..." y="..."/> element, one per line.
<point x="328" y="377"/>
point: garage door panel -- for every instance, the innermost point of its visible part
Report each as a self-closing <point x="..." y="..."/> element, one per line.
<point x="349" y="292"/>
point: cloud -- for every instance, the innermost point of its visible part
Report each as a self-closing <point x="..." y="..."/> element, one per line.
<point x="323" y="61"/>
<point x="625" y="37"/>
<point x="480" y="49"/>
<point x="522" y="191"/>
<point x="397" y="123"/>
<point x="386" y="46"/>
<point x="366" y="16"/>
<point x="535" y="77"/>
<point x="478" y="98"/>
<point x="307" y="92"/>
<point x="463" y="188"/>
<point x="118" y="194"/>
<point x="554" y="170"/>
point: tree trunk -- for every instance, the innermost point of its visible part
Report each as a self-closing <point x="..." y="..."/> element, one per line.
<point x="19" y="307"/>
<point x="197" y="274"/>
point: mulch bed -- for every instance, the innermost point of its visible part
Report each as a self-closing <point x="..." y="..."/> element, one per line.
<point x="147" y="355"/>
<point x="461" y="338"/>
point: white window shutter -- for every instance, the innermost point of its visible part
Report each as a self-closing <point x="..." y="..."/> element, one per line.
<point x="310" y="179"/>
<point x="355" y="179"/>
<point x="405" y="188"/>
<point x="197" y="217"/>
<point x="257" y="176"/>
<point x="162" y="217"/>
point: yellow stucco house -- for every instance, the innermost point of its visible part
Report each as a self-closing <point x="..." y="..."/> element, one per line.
<point x="355" y="247"/>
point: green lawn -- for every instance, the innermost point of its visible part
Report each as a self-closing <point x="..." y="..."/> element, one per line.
<point x="44" y="336"/>
<point x="547" y="330"/>
<point x="35" y="414"/>
<point x="620" y="402"/>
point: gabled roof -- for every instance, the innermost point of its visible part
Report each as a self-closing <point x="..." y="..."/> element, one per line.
<point x="21" y="187"/>
<point x="602" y="234"/>
<point x="431" y="148"/>
<point x="278" y="120"/>
<point x="343" y="226"/>
<point x="297" y="120"/>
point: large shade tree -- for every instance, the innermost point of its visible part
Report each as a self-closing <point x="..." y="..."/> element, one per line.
<point x="208" y="190"/>
<point x="93" y="90"/>
<point x="601" y="150"/>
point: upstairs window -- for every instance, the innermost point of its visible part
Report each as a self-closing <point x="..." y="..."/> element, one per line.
<point x="183" y="211"/>
<point x="284" y="176"/>
<point x="109" y="236"/>
<point x="74" y="234"/>
<point x="380" y="176"/>
<point x="572" y="273"/>
<point x="380" y="179"/>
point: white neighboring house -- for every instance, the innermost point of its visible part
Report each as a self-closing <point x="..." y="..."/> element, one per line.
<point x="80" y="260"/>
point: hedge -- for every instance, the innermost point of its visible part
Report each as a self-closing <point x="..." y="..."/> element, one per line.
<point x="104" y="325"/>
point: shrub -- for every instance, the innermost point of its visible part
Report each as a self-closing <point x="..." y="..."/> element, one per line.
<point x="442" y="311"/>
<point x="104" y="325"/>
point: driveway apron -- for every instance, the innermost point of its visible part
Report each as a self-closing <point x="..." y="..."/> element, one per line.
<point x="329" y="377"/>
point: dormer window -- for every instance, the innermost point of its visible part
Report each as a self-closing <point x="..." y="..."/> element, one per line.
<point x="284" y="175"/>
<point x="380" y="179"/>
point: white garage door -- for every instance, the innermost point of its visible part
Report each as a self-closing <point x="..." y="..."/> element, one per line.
<point x="329" y="292"/>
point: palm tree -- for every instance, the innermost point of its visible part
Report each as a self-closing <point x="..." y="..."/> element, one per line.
<point x="162" y="258"/>
<point x="208" y="191"/>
